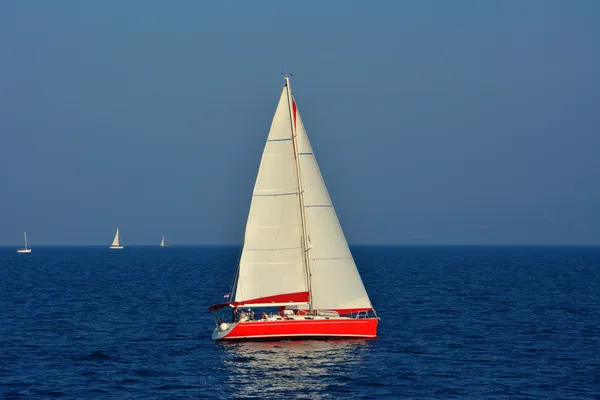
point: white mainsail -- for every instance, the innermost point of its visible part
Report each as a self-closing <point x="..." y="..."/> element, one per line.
<point x="290" y="201"/>
<point x="272" y="262"/>
<point x="115" y="242"/>
<point x="162" y="242"/>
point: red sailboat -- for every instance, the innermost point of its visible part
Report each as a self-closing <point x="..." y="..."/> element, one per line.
<point x="295" y="256"/>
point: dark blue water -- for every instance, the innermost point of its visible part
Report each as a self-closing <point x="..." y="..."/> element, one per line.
<point x="467" y="323"/>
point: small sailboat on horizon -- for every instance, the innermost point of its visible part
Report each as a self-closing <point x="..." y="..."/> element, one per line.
<point x="162" y="242"/>
<point x="295" y="257"/>
<point x="27" y="249"/>
<point x="116" y="244"/>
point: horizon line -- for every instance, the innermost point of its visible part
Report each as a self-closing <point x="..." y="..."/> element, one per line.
<point x="350" y="245"/>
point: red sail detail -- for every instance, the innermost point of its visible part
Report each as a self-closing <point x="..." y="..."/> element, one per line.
<point x="295" y="112"/>
<point x="298" y="297"/>
<point x="294" y="132"/>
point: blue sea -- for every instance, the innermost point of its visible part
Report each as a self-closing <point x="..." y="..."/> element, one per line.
<point x="456" y="323"/>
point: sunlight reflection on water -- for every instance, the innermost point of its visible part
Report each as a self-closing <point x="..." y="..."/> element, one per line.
<point x="271" y="368"/>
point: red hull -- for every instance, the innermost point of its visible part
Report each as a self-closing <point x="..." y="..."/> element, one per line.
<point x="358" y="327"/>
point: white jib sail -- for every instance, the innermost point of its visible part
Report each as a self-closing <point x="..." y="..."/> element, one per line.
<point x="272" y="262"/>
<point x="336" y="283"/>
<point x="162" y="242"/>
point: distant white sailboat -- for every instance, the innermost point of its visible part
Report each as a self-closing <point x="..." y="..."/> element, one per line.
<point x="27" y="249"/>
<point x="116" y="244"/>
<point x="162" y="243"/>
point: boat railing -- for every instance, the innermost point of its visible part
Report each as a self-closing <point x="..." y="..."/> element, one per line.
<point x="365" y="314"/>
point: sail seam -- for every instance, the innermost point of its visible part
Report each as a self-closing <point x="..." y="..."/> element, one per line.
<point x="275" y="194"/>
<point x="318" y="206"/>
<point x="279" y="140"/>
<point x="331" y="258"/>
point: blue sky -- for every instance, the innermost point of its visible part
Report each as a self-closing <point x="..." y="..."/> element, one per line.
<point x="463" y="122"/>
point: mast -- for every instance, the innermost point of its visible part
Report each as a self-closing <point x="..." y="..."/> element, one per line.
<point x="25" y="233"/>
<point x="300" y="194"/>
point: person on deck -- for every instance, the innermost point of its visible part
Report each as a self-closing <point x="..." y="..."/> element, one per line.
<point x="234" y="314"/>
